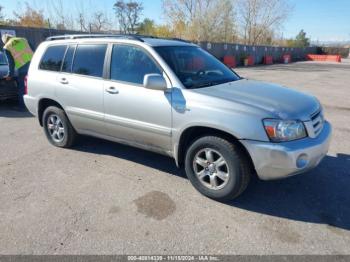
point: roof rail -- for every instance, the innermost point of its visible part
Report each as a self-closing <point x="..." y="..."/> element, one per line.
<point x="82" y="36"/>
<point x="179" y="39"/>
<point x="147" y="36"/>
<point x="165" y="38"/>
<point x="125" y="36"/>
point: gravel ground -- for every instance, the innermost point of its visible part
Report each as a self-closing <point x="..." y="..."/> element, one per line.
<point x="106" y="198"/>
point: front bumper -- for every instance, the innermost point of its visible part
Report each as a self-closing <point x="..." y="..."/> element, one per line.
<point x="279" y="160"/>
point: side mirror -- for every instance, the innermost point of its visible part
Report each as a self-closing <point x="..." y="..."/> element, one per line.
<point x="155" y="82"/>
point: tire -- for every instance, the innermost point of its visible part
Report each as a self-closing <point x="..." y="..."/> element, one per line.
<point x="56" y="120"/>
<point x="220" y="181"/>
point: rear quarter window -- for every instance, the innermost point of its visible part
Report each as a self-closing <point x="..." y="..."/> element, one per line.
<point x="52" y="58"/>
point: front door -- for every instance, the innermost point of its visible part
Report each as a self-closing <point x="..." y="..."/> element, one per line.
<point x="133" y="113"/>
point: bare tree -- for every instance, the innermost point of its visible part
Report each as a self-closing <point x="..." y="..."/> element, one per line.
<point x="203" y="20"/>
<point x="83" y="16"/>
<point x="91" y="21"/>
<point x="128" y="15"/>
<point x="60" y="15"/>
<point x="82" y="22"/>
<point x="134" y="11"/>
<point x="100" y="22"/>
<point x="259" y="19"/>
<point x="120" y="11"/>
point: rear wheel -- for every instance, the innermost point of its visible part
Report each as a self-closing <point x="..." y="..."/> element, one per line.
<point x="217" y="168"/>
<point x="57" y="127"/>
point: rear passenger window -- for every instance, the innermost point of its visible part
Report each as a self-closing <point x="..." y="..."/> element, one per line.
<point x="89" y="60"/>
<point x="131" y="64"/>
<point x="52" y="58"/>
<point x="68" y="59"/>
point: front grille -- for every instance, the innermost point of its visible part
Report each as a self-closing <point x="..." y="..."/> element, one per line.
<point x="316" y="125"/>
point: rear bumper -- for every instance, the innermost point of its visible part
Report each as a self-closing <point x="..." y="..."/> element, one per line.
<point x="279" y="160"/>
<point x="31" y="104"/>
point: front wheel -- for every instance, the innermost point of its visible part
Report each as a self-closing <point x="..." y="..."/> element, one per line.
<point x="217" y="168"/>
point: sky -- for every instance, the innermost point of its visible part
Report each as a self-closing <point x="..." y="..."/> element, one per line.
<point x="322" y="20"/>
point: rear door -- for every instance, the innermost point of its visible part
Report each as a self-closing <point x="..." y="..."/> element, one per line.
<point x="81" y="87"/>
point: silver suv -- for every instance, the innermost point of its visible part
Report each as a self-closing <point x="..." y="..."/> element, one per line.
<point x="172" y="97"/>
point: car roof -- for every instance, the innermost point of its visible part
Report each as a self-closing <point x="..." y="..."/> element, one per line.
<point x="148" y="40"/>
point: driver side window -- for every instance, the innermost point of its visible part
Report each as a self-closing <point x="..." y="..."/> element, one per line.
<point x="130" y="64"/>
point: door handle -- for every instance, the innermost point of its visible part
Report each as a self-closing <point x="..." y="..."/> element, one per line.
<point x="112" y="90"/>
<point x="64" y="81"/>
<point x="182" y="108"/>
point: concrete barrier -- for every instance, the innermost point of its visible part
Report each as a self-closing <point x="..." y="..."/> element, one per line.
<point x="268" y="60"/>
<point x="230" y="61"/>
<point x="324" y="58"/>
<point x="240" y="52"/>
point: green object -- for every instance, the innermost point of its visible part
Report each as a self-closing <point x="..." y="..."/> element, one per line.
<point x="20" y="51"/>
<point x="19" y="46"/>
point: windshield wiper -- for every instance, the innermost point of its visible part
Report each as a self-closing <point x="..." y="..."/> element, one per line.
<point x="212" y="83"/>
<point x="204" y="85"/>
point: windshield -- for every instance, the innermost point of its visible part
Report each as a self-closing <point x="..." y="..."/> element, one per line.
<point x="196" y="68"/>
<point x="3" y="60"/>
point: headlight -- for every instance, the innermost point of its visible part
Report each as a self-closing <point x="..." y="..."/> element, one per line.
<point x="284" y="130"/>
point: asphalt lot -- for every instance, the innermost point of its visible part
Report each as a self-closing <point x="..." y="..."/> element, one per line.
<point x="106" y="198"/>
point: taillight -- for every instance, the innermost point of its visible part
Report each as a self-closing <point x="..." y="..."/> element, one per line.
<point x="26" y="85"/>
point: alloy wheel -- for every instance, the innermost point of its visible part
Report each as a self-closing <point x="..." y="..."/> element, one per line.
<point x="211" y="168"/>
<point x="56" y="128"/>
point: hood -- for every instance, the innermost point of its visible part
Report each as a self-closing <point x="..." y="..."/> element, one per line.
<point x="278" y="101"/>
<point x="4" y="71"/>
